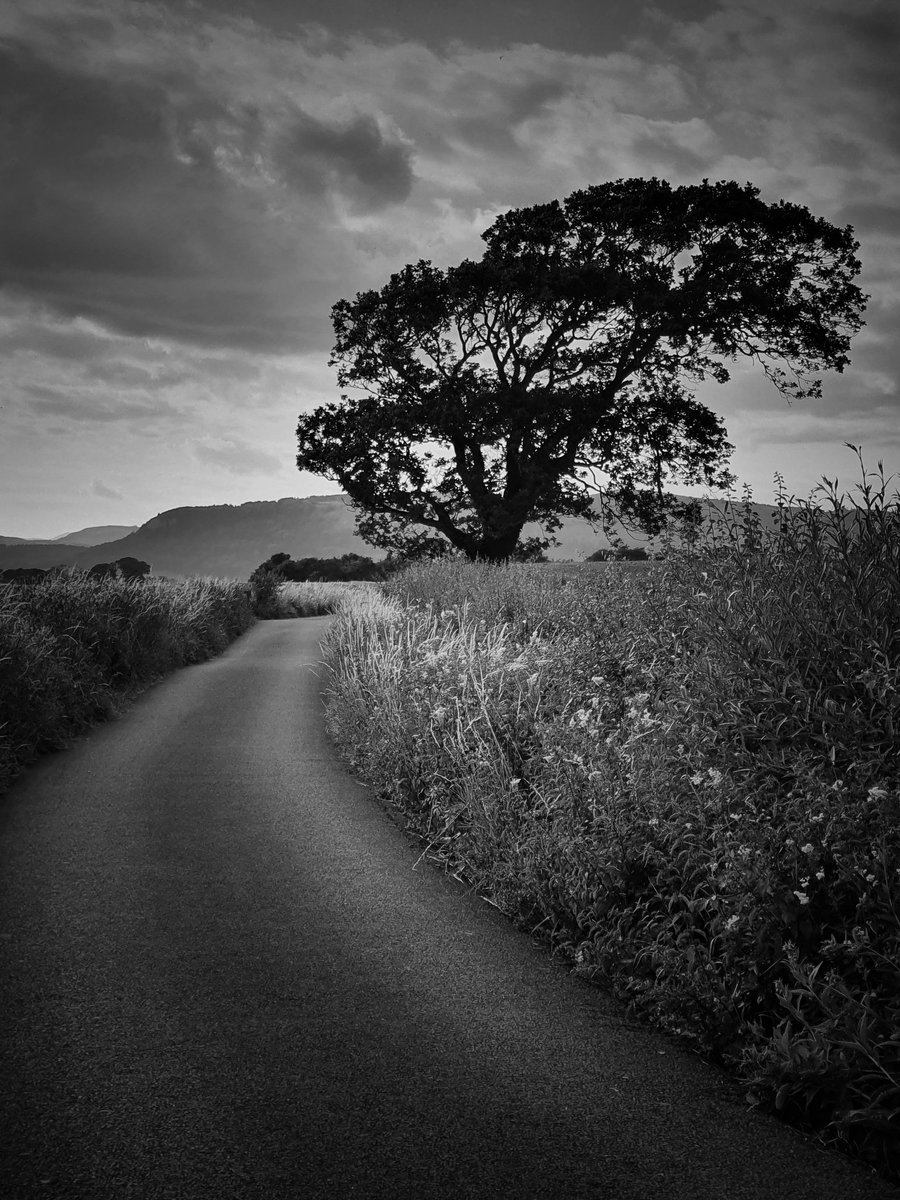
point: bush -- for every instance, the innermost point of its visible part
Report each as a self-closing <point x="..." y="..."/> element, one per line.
<point x="687" y="778"/>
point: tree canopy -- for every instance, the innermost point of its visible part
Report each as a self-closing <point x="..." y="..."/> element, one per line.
<point x="510" y="390"/>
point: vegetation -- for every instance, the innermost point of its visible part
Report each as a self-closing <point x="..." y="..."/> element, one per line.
<point x="505" y="391"/>
<point x="319" y="599"/>
<point x="72" y="647"/>
<point x="620" y="554"/>
<point x="686" y="777"/>
<point x="272" y="598"/>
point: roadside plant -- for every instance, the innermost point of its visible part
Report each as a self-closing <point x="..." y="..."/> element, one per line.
<point x="687" y="778"/>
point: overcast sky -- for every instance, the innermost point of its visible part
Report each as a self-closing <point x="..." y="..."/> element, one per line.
<point x="188" y="186"/>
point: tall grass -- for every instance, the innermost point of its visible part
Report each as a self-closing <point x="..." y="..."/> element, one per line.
<point x="71" y="647"/>
<point x="687" y="778"/>
<point x="314" y="599"/>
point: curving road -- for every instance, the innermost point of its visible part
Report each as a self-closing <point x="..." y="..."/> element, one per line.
<point x="224" y="975"/>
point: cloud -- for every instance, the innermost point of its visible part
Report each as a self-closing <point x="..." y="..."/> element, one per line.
<point x="353" y="159"/>
<point x="237" y="456"/>
<point x="104" y="492"/>
<point x="82" y="407"/>
<point x="188" y="192"/>
<point x="147" y="203"/>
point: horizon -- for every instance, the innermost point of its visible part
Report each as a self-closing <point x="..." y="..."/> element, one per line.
<point x="732" y="500"/>
<point x="195" y="186"/>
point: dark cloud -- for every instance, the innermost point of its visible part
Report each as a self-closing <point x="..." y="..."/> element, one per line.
<point x="867" y="216"/>
<point x="670" y="158"/>
<point x="141" y="204"/>
<point x="354" y="159"/>
<point x="566" y="24"/>
<point x="492" y="110"/>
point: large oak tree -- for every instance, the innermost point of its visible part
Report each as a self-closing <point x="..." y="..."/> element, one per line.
<point x="505" y="391"/>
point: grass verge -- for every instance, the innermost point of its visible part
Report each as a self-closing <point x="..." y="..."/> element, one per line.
<point x="72" y="648"/>
<point x="687" y="779"/>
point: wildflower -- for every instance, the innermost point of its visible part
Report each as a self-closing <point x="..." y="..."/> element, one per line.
<point x="697" y="779"/>
<point x="878" y="793"/>
<point x="809" y="848"/>
<point x="731" y="922"/>
<point x="820" y="874"/>
<point x="802" y="897"/>
<point x="715" y="777"/>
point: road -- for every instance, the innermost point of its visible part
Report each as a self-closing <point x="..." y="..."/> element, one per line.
<point x="226" y="975"/>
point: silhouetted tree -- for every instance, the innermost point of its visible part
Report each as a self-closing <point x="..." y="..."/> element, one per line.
<point x="505" y="391"/>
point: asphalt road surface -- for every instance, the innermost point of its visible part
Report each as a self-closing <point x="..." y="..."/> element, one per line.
<point x="224" y="975"/>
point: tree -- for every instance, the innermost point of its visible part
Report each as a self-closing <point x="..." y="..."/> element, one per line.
<point x="507" y="390"/>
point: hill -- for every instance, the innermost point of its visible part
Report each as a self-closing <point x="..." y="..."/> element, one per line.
<point x="229" y="540"/>
<point x="96" y="535"/>
<point x="223" y="540"/>
<point x="93" y="535"/>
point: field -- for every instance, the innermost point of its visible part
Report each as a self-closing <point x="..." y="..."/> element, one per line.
<point x="686" y="778"/>
<point x="73" y="648"/>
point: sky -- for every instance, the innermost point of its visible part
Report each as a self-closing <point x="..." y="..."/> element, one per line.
<point x="188" y="186"/>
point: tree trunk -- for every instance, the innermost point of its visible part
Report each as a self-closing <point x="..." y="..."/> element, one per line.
<point x="496" y="549"/>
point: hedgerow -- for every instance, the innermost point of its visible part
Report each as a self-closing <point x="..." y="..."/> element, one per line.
<point x="71" y="647"/>
<point x="687" y="777"/>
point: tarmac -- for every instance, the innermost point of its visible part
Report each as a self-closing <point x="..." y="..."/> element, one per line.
<point x="227" y="973"/>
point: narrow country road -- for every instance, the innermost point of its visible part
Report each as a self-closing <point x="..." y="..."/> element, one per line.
<point x="224" y="975"/>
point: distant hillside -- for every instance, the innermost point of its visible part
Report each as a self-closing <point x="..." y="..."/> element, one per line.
<point x="95" y="535"/>
<point x="223" y="539"/>
<point x="230" y="540"/>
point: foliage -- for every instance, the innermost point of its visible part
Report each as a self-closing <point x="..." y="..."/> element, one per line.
<point x="501" y="391"/>
<point x="333" y="570"/>
<point x="687" y="777"/>
<point x="72" y="646"/>
<point x="271" y="598"/>
<point x="619" y="554"/>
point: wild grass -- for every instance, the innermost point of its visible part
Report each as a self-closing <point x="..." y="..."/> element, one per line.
<point x="687" y="778"/>
<point x="72" y="647"/>
<point x="315" y="599"/>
